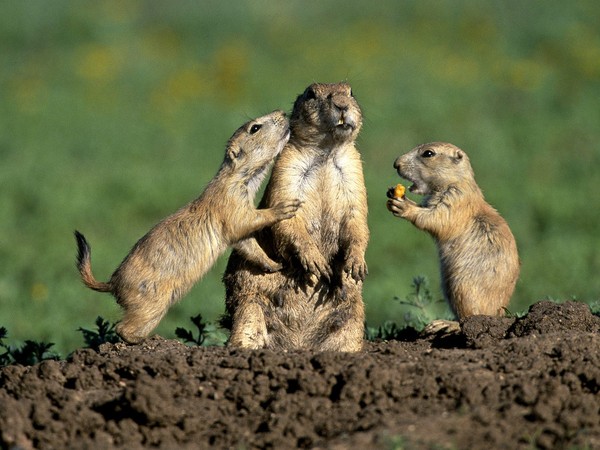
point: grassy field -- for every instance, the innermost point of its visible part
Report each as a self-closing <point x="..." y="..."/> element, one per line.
<point x="113" y="114"/>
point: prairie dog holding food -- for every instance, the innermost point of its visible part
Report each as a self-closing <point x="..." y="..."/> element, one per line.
<point x="165" y="263"/>
<point x="315" y="301"/>
<point x="478" y="253"/>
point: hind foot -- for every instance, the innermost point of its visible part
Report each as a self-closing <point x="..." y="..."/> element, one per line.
<point x="438" y="327"/>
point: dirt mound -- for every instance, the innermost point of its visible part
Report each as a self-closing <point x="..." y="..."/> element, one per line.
<point x="503" y="383"/>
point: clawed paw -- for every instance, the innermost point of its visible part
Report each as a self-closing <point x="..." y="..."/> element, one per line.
<point x="287" y="210"/>
<point x="356" y="267"/>
<point x="271" y="266"/>
<point x="315" y="267"/>
<point x="441" y="327"/>
<point x="397" y="206"/>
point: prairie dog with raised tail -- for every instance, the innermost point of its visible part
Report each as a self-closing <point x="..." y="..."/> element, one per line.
<point x="165" y="263"/>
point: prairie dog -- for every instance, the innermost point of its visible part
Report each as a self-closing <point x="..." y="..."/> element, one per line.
<point x="165" y="263"/>
<point x="478" y="253"/>
<point x="315" y="301"/>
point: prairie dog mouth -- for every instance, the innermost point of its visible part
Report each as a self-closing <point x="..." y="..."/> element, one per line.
<point x="344" y="124"/>
<point x="418" y="188"/>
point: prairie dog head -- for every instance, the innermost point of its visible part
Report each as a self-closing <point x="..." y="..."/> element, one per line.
<point x="253" y="147"/>
<point x="434" y="167"/>
<point x="326" y="112"/>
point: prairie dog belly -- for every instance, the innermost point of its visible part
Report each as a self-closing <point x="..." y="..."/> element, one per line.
<point x="315" y="301"/>
<point x="325" y="187"/>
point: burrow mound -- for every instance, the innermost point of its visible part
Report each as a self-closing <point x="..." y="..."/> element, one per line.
<point x="533" y="382"/>
<point x="543" y="318"/>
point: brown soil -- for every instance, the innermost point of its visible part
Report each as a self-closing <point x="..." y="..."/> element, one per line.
<point x="520" y="383"/>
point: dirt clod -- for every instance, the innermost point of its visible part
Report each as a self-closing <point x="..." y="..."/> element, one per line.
<point x="524" y="383"/>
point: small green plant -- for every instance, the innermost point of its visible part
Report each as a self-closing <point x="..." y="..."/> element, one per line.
<point x="421" y="311"/>
<point x="595" y="307"/>
<point x="188" y="336"/>
<point x="421" y="303"/>
<point x="4" y="357"/>
<point x="517" y="314"/>
<point x="208" y="334"/>
<point x="31" y="352"/>
<point x="387" y="332"/>
<point x="399" y="442"/>
<point x="395" y="442"/>
<point x="105" y="332"/>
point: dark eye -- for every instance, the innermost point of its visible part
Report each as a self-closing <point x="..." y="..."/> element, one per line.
<point x="310" y="94"/>
<point x="351" y="93"/>
<point x="428" y="154"/>
<point x="254" y="128"/>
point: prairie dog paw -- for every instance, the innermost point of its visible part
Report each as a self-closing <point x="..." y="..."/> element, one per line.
<point x="270" y="266"/>
<point x="356" y="267"/>
<point x="441" y="327"/>
<point x="286" y="210"/>
<point x="315" y="265"/>
<point x="398" y="206"/>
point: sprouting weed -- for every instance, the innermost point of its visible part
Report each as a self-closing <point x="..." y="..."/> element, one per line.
<point x="105" y="332"/>
<point x="421" y="310"/>
<point x="516" y="314"/>
<point x="31" y="352"/>
<point x="208" y="334"/>
<point x="5" y="356"/>
<point x="386" y="332"/>
<point x="421" y="304"/>
<point x="595" y="307"/>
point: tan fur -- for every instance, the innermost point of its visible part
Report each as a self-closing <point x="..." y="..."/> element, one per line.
<point x="315" y="301"/>
<point x="478" y="254"/>
<point x="165" y="263"/>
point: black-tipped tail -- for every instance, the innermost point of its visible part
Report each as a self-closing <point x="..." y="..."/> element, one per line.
<point x="84" y="265"/>
<point x="83" y="249"/>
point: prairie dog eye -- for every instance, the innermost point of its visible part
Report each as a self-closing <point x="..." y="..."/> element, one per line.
<point x="254" y="128"/>
<point x="310" y="94"/>
<point x="428" y="154"/>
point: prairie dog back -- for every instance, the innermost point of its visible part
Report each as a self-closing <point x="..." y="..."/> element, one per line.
<point x="166" y="262"/>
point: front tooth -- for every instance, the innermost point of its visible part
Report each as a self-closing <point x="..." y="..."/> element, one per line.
<point x="341" y="121"/>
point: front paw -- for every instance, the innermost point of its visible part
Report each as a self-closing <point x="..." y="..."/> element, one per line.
<point x="269" y="266"/>
<point x="286" y="210"/>
<point x="356" y="267"/>
<point x="315" y="266"/>
<point x="398" y="206"/>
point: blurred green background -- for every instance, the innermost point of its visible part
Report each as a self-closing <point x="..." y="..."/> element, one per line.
<point x="113" y="114"/>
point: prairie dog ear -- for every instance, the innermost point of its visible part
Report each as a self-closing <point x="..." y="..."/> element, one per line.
<point x="458" y="156"/>
<point x="234" y="153"/>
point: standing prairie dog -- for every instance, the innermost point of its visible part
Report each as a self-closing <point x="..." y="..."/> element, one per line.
<point x="315" y="301"/>
<point x="478" y="253"/>
<point x="165" y="263"/>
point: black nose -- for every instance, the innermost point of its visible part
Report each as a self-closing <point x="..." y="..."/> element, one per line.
<point x="397" y="163"/>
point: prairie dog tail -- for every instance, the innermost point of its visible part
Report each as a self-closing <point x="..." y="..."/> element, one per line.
<point x="84" y="265"/>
